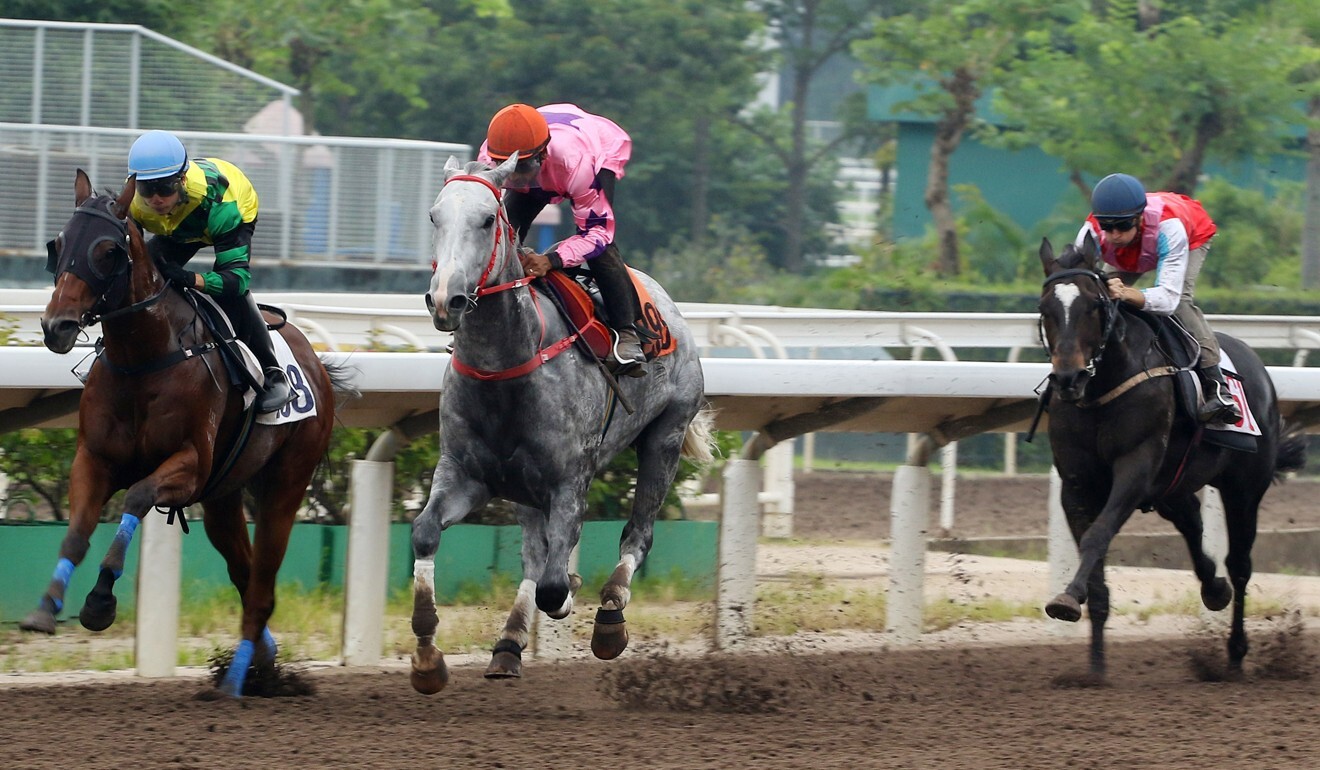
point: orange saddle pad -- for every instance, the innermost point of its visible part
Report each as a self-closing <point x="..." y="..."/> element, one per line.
<point x="581" y="311"/>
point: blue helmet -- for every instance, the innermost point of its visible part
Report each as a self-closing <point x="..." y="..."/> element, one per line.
<point x="157" y="154"/>
<point x="1118" y="195"/>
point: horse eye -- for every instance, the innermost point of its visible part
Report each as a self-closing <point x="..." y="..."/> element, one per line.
<point x="490" y="220"/>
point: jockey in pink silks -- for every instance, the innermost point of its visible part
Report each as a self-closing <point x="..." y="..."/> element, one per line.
<point x="566" y="153"/>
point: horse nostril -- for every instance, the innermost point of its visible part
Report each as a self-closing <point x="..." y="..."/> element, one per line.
<point x="457" y="304"/>
<point x="430" y="303"/>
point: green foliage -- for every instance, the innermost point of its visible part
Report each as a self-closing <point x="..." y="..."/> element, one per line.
<point x="994" y="243"/>
<point x="37" y="463"/>
<point x="1255" y="234"/>
<point x="715" y="271"/>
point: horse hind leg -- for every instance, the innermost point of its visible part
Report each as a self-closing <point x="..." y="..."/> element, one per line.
<point x="657" y="462"/>
<point x="1241" y="508"/>
<point x="1184" y="511"/>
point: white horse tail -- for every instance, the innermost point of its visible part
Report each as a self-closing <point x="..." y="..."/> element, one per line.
<point x="699" y="441"/>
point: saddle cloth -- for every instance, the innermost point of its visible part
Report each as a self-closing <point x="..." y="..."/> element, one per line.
<point x="583" y="309"/>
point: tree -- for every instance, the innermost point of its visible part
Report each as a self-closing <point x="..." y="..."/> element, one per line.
<point x="807" y="34"/>
<point x="1153" y="93"/>
<point x="952" y="53"/>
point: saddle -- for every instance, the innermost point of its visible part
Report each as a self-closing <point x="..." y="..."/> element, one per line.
<point x="1181" y="350"/>
<point x="575" y="293"/>
<point x="244" y="372"/>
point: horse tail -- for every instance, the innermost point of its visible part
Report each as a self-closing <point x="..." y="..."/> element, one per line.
<point x="1292" y="450"/>
<point x="342" y="380"/>
<point x="699" y="441"/>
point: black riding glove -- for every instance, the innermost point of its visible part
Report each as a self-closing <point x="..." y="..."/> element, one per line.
<point x="178" y="275"/>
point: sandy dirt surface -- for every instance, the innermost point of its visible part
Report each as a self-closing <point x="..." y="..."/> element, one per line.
<point x="1003" y="695"/>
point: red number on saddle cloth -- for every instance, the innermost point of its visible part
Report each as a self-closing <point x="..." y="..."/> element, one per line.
<point x="1239" y="395"/>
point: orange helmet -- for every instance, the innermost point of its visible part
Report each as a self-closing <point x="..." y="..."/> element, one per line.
<point x="517" y="128"/>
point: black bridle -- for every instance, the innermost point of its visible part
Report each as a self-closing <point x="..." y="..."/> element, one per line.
<point x="91" y="225"/>
<point x="1108" y="312"/>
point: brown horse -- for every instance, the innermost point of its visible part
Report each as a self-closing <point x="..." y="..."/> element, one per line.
<point x="159" y="418"/>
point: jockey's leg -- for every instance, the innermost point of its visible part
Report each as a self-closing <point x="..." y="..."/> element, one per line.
<point x="1219" y="405"/>
<point x="623" y="308"/>
<point x="250" y="325"/>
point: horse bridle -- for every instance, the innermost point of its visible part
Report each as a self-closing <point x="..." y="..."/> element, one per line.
<point x="114" y="283"/>
<point x="1108" y="309"/>
<point x="503" y="227"/>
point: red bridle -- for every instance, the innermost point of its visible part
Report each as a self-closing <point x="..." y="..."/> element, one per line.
<point x="505" y="228"/>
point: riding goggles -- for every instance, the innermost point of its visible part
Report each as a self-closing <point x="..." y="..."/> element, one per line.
<point x="1119" y="225"/>
<point x="163" y="187"/>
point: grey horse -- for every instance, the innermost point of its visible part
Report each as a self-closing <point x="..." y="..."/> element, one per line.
<point x="526" y="417"/>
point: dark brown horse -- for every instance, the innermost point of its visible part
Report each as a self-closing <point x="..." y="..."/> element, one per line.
<point x="159" y="418"/>
<point x="1121" y="442"/>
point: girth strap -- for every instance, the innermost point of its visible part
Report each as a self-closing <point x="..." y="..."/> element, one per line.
<point x="164" y="362"/>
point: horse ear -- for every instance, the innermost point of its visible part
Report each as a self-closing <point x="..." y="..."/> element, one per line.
<point x="82" y="187"/>
<point x="1047" y="260"/>
<point x="1091" y="251"/>
<point x="126" y="197"/>
<point x="503" y="170"/>
<point x="452" y="166"/>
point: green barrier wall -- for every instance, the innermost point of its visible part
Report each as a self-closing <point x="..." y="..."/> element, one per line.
<point x="469" y="555"/>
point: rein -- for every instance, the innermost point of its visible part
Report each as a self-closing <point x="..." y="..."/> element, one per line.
<point x="542" y="355"/>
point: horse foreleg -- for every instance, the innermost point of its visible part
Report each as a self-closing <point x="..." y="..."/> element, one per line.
<point x="506" y="658"/>
<point x="1097" y="608"/>
<point x="89" y="488"/>
<point x="453" y="496"/>
<point x="171" y="483"/>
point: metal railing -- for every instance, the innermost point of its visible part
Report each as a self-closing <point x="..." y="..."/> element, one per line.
<point x="323" y="198"/>
<point x="76" y="95"/>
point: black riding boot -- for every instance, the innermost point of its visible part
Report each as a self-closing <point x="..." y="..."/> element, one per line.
<point x="1219" y="406"/>
<point x="623" y="309"/>
<point x="276" y="392"/>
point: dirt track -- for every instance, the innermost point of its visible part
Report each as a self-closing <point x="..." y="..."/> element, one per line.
<point x="801" y="705"/>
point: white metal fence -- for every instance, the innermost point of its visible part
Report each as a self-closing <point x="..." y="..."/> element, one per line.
<point x="77" y="95"/>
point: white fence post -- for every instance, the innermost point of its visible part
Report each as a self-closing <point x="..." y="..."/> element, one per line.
<point x="160" y="565"/>
<point x="909" y="508"/>
<point x="736" y="581"/>
<point x="366" y="574"/>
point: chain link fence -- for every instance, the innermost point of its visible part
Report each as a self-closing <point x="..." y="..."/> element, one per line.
<point x="77" y="95"/>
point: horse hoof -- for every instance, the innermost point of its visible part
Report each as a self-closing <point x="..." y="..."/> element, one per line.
<point x="98" y="612"/>
<point x="40" y="619"/>
<point x="1064" y="607"/>
<point x="609" y="638"/>
<point x="429" y="673"/>
<point x="504" y="665"/>
<point x="1217" y="594"/>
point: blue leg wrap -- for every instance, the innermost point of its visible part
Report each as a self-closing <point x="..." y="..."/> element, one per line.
<point x="128" y="525"/>
<point x="63" y="572"/>
<point x="237" y="673"/>
<point x="269" y="649"/>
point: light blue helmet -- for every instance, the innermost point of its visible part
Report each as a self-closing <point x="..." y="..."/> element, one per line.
<point x="157" y="154"/>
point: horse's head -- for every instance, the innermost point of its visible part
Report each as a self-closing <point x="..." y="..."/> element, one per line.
<point x="1077" y="317"/>
<point x="91" y="259"/>
<point x="473" y="241"/>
